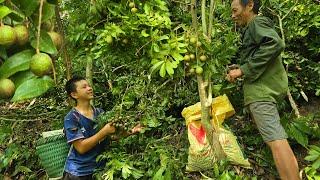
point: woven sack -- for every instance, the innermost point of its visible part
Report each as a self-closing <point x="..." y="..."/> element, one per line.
<point x="53" y="151"/>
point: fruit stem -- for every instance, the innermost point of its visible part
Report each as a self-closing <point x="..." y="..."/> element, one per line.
<point x="39" y="27"/>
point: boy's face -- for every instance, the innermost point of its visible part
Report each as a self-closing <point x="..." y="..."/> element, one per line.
<point x="83" y="91"/>
<point x="241" y="14"/>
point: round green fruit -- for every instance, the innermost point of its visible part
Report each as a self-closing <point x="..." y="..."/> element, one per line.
<point x="199" y="44"/>
<point x="131" y="4"/>
<point x="40" y="64"/>
<point x="191" y="70"/>
<point x="109" y="39"/>
<point x="186" y="57"/>
<point x="193" y="40"/>
<point x="192" y="56"/>
<point x="203" y="58"/>
<point x="56" y="39"/>
<point x="22" y="34"/>
<point x="7" y="35"/>
<point x="134" y="10"/>
<point x="199" y="70"/>
<point x="7" y="88"/>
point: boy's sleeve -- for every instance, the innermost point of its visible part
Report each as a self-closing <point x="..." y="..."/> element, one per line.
<point x="72" y="128"/>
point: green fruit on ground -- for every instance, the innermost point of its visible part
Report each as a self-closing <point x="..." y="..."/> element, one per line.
<point x="109" y="39"/>
<point x="186" y="57"/>
<point x="131" y="4"/>
<point x="7" y="88"/>
<point x="192" y="56"/>
<point x="134" y="10"/>
<point x="40" y="64"/>
<point x="7" y="35"/>
<point x="56" y="39"/>
<point x="193" y="40"/>
<point x="22" y="34"/>
<point x="203" y="58"/>
<point x="199" y="70"/>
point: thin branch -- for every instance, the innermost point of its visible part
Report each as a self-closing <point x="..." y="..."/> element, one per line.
<point x="39" y="27"/>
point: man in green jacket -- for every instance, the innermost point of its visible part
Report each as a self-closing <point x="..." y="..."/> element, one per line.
<point x="265" y="81"/>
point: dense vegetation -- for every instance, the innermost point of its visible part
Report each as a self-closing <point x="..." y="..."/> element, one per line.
<point x="138" y="56"/>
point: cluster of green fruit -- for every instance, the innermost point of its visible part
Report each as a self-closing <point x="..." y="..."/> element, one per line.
<point x="40" y="64"/>
<point x="120" y="123"/>
<point x="190" y="58"/>
<point x="132" y="5"/>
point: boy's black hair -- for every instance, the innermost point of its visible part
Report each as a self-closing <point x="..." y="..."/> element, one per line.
<point x="71" y="84"/>
<point x="256" y="5"/>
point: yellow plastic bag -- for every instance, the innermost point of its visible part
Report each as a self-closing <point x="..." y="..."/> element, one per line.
<point x="221" y="109"/>
<point x="201" y="156"/>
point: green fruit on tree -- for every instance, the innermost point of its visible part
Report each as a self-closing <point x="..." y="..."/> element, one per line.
<point x="7" y="88"/>
<point x="199" y="44"/>
<point x="131" y="4"/>
<point x="22" y="34"/>
<point x="191" y="70"/>
<point x="193" y="40"/>
<point x="199" y="70"/>
<point x="192" y="56"/>
<point x="40" y="64"/>
<point x="109" y="39"/>
<point x="134" y="10"/>
<point x="203" y="58"/>
<point x="56" y="39"/>
<point x="186" y="57"/>
<point x="7" y="35"/>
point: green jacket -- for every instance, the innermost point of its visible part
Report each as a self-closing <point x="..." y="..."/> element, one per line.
<point x="265" y="78"/>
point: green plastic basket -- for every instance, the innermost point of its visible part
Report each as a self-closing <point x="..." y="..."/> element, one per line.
<point x="53" y="151"/>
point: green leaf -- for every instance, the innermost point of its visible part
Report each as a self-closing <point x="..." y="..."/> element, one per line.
<point x="1" y="1"/>
<point x="316" y="164"/>
<point x="46" y="44"/>
<point x="169" y="68"/>
<point x="27" y="6"/>
<point x="3" y="53"/>
<point x="4" y="11"/>
<point x="156" y="66"/>
<point x="163" y="37"/>
<point x="126" y="171"/>
<point x="33" y="88"/>
<point x="16" y="16"/>
<point x="156" y="47"/>
<point x="21" y="77"/>
<point x="144" y="33"/>
<point x="47" y="12"/>
<point x="177" y="56"/>
<point x="298" y="136"/>
<point x="17" y="62"/>
<point x="163" y="70"/>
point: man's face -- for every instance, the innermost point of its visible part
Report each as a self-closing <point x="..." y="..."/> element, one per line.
<point x="83" y="91"/>
<point x="240" y="14"/>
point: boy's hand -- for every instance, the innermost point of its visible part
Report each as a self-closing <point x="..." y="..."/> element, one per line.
<point x="109" y="128"/>
<point x="136" y="129"/>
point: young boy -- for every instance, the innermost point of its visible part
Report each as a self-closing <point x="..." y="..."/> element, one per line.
<point x="81" y="131"/>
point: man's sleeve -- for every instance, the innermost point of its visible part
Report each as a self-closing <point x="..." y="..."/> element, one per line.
<point x="269" y="48"/>
<point x="72" y="128"/>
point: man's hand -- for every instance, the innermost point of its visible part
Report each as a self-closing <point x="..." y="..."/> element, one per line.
<point x="234" y="74"/>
